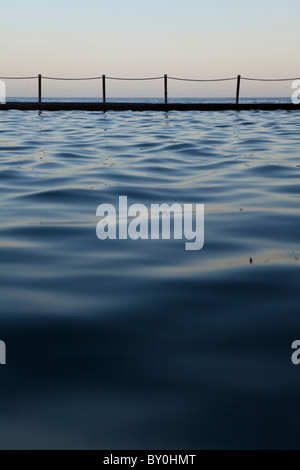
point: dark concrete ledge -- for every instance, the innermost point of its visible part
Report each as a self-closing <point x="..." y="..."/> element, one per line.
<point x="61" y="106"/>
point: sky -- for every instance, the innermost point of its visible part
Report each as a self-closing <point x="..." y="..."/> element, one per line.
<point x="137" y="38"/>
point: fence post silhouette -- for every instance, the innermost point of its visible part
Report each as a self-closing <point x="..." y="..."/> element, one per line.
<point x="166" y="88"/>
<point x="238" y="86"/>
<point x="103" y="89"/>
<point x="40" y="87"/>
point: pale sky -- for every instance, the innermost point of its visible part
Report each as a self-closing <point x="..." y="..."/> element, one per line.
<point x="134" y="38"/>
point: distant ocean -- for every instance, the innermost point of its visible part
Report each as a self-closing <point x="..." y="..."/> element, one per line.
<point x="123" y="344"/>
<point x="158" y="100"/>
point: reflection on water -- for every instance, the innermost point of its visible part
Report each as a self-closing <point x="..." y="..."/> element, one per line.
<point x="141" y="344"/>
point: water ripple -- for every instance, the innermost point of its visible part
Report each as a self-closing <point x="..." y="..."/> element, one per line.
<point x="141" y="344"/>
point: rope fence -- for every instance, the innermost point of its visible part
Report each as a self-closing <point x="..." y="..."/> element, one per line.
<point x="18" y="78"/>
<point x="196" y="80"/>
<point x="165" y="77"/>
<point x="73" y="79"/>
<point x="271" y="79"/>
<point x="135" y="79"/>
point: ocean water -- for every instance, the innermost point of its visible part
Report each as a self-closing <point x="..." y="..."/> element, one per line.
<point x="123" y="344"/>
<point x="229" y="99"/>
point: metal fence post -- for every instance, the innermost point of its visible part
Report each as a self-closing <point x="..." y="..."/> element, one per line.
<point x="238" y="86"/>
<point x="40" y="87"/>
<point x="166" y="88"/>
<point x="103" y="89"/>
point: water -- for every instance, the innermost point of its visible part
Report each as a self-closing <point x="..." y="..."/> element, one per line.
<point x="140" y="344"/>
<point x="230" y="99"/>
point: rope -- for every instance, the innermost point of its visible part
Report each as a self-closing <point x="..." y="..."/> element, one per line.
<point x="85" y="78"/>
<point x="158" y="78"/>
<point x="151" y="78"/>
<point x="270" y="79"/>
<point x="194" y="80"/>
<point x="17" y="78"/>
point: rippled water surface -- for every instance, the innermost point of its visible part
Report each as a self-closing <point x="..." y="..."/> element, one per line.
<point x="140" y="344"/>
